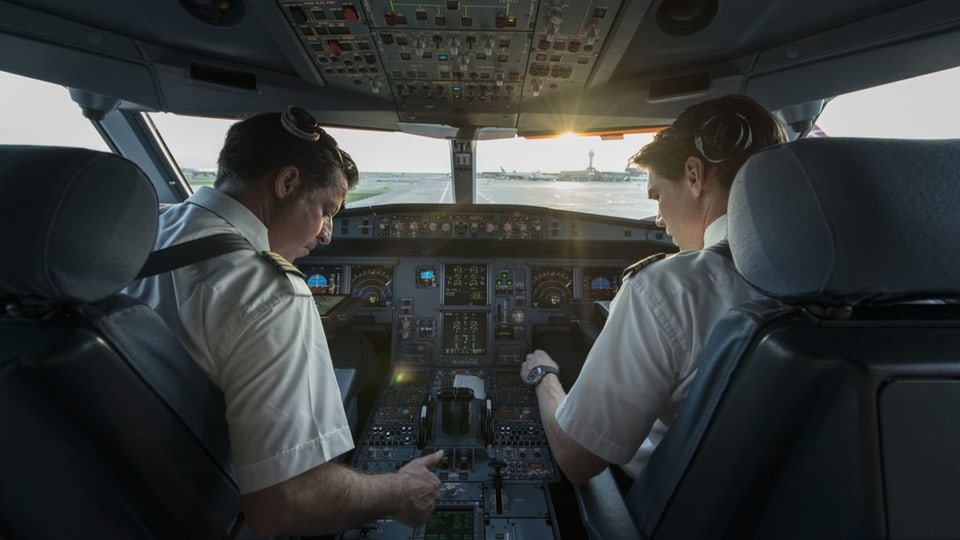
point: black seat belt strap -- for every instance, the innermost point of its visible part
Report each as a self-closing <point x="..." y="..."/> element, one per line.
<point x="192" y="251"/>
<point x="722" y="247"/>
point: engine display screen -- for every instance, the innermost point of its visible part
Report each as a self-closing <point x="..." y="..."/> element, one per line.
<point x="465" y="284"/>
<point x="451" y="524"/>
<point x="465" y="333"/>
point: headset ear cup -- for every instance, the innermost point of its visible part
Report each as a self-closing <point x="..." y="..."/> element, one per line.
<point x="300" y="124"/>
<point x="724" y="136"/>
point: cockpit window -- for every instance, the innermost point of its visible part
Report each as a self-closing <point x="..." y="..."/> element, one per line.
<point x="37" y="112"/>
<point x="919" y="108"/>
<point x="583" y="174"/>
<point x="394" y="167"/>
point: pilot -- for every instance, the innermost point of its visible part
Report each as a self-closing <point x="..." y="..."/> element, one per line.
<point x="640" y="368"/>
<point x="249" y="320"/>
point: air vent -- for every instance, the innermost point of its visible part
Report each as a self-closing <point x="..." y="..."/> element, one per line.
<point x="220" y="76"/>
<point x="215" y="12"/>
<point x="681" y="18"/>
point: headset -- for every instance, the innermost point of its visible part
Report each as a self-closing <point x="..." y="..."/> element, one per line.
<point x="301" y="124"/>
<point x="724" y="136"/>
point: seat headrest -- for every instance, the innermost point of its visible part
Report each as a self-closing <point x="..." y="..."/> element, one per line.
<point x="76" y="225"/>
<point x="845" y="221"/>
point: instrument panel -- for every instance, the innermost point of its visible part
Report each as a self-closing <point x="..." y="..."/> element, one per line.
<point x="465" y="296"/>
<point x="517" y="225"/>
<point x="462" y="312"/>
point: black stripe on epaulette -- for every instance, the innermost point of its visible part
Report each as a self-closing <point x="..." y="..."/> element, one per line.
<point x="641" y="264"/>
<point x="281" y="264"/>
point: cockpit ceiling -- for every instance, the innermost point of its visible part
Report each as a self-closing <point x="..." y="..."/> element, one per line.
<point x="540" y="66"/>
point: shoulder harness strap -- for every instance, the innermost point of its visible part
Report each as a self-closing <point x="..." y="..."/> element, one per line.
<point x="192" y="251"/>
<point x="721" y="248"/>
<point x="284" y="266"/>
<point x="641" y="264"/>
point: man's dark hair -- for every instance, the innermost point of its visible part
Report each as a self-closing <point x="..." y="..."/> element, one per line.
<point x="730" y="129"/>
<point x="261" y="144"/>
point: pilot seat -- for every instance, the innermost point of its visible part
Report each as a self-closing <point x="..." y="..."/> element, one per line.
<point x="829" y="410"/>
<point x="108" y="429"/>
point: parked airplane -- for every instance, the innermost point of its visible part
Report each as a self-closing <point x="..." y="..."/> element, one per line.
<point x="827" y="410"/>
<point x="514" y="175"/>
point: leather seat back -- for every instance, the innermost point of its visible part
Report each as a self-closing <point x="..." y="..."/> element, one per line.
<point x="829" y="410"/>
<point x="109" y="428"/>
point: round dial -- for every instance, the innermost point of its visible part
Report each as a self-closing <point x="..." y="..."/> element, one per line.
<point x="517" y="316"/>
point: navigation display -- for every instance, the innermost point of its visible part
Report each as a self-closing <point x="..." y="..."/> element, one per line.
<point x="373" y="285"/>
<point x="465" y="333"/>
<point x="465" y="284"/>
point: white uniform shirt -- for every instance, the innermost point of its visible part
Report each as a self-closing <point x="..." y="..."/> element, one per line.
<point x="256" y="332"/>
<point x="640" y="368"/>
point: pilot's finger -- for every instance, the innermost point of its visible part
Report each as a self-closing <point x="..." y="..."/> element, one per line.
<point x="431" y="460"/>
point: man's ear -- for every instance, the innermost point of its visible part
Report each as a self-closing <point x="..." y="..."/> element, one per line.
<point x="286" y="181"/>
<point x="694" y="174"/>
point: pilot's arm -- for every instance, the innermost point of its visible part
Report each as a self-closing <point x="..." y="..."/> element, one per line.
<point x="576" y="462"/>
<point x="625" y="384"/>
<point x="286" y="417"/>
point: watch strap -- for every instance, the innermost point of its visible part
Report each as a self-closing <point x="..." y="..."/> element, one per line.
<point x="544" y="370"/>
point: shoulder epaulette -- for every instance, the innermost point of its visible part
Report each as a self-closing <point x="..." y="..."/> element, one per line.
<point x="641" y="264"/>
<point x="281" y="264"/>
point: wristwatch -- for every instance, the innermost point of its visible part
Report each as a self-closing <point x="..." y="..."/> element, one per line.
<point x="537" y="373"/>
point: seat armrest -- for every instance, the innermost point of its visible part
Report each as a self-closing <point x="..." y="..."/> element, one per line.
<point x="603" y="511"/>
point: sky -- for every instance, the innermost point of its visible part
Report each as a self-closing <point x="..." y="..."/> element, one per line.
<point x="34" y="112"/>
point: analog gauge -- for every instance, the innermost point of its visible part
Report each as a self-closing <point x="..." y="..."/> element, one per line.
<point x="433" y="226"/>
<point x="518" y="317"/>
<point x="445" y="227"/>
<point x="373" y="285"/>
<point x="491" y="227"/>
<point x="552" y="287"/>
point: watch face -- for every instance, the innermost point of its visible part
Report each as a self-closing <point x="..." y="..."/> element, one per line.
<point x="534" y="375"/>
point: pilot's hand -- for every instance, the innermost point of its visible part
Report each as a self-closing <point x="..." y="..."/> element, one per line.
<point x="421" y="489"/>
<point x="534" y="359"/>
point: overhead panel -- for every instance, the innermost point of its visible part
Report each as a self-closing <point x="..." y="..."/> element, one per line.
<point x="453" y="61"/>
<point x="337" y="38"/>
